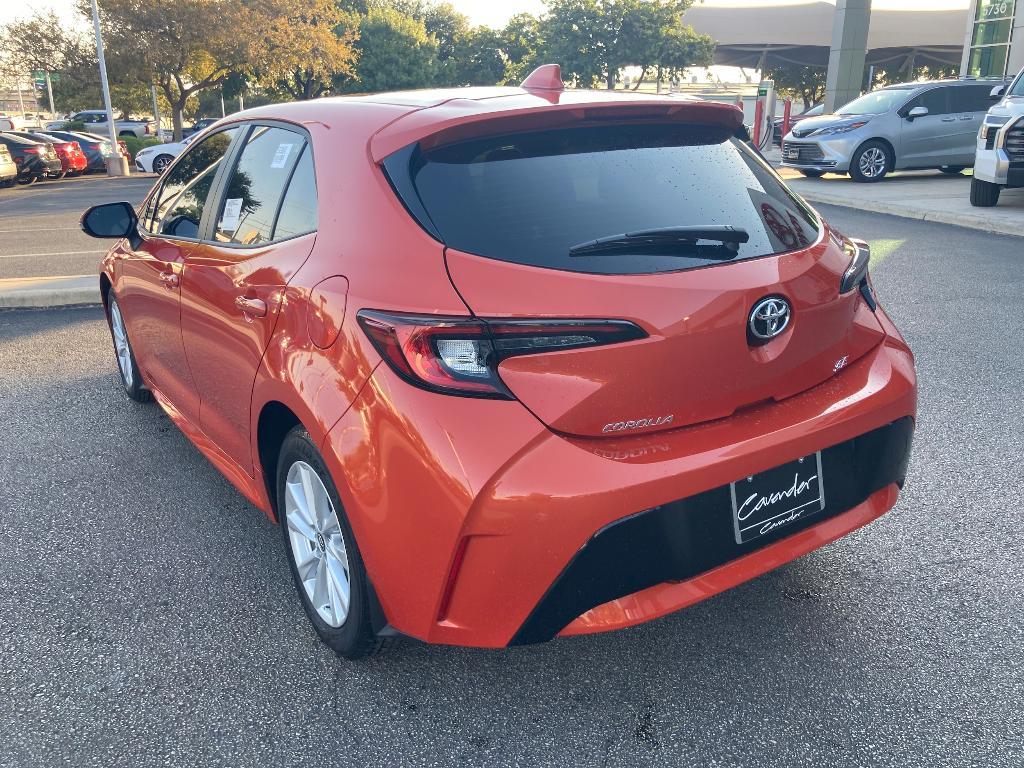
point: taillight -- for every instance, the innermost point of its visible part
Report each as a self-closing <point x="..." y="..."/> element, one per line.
<point x="856" y="274"/>
<point x="460" y="355"/>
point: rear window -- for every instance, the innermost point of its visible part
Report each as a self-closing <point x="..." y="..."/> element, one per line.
<point x="529" y="198"/>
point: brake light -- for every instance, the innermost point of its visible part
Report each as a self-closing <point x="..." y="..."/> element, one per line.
<point x="856" y="275"/>
<point x="460" y="355"/>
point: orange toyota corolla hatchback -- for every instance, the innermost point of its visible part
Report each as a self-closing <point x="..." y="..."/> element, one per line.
<point x="510" y="363"/>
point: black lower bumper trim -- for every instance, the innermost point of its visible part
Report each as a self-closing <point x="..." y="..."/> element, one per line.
<point x="685" y="538"/>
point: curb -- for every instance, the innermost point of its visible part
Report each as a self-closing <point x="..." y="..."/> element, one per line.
<point x="966" y="220"/>
<point x="37" y="292"/>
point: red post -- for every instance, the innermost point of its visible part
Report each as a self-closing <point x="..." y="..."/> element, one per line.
<point x="787" y="111"/>
<point x="758" y="116"/>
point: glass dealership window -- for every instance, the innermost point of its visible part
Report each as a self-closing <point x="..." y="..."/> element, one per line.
<point x="990" y="38"/>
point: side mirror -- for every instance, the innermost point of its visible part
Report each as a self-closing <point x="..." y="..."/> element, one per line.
<point x="110" y="220"/>
<point x="917" y="112"/>
<point x="997" y="93"/>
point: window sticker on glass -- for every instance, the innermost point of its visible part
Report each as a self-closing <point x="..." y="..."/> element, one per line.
<point x="281" y="156"/>
<point x="232" y="212"/>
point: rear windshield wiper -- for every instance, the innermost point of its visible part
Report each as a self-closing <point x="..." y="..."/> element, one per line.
<point x="666" y="241"/>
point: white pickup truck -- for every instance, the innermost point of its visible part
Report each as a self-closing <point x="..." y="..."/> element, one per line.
<point x="999" y="157"/>
<point x="96" y="122"/>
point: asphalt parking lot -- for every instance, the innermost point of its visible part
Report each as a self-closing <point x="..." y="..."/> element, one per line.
<point x="148" y="616"/>
<point x="39" y="233"/>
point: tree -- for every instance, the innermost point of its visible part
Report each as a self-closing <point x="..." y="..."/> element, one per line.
<point x="478" y="59"/>
<point x="309" y="43"/>
<point x="594" y="39"/>
<point x="395" y="51"/>
<point x="184" y="47"/>
<point x="520" y="41"/>
<point x="798" y="81"/>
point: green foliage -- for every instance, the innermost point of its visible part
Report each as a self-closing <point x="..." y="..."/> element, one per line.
<point x="134" y="143"/>
<point x="520" y="42"/>
<point x="797" y="81"/>
<point x="395" y="52"/>
<point x="594" y="40"/>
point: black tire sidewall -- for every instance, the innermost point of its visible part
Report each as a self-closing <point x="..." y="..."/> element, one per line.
<point x="855" y="173"/>
<point x="137" y="391"/>
<point x="354" y="638"/>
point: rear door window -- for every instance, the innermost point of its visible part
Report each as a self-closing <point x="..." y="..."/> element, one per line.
<point x="253" y="194"/>
<point x="298" y="214"/>
<point x="971" y="98"/>
<point x="529" y="198"/>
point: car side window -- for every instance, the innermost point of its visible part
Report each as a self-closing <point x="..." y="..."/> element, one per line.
<point x="971" y="98"/>
<point x="936" y="101"/>
<point x="182" y="196"/>
<point x="256" y="187"/>
<point x="298" y="214"/>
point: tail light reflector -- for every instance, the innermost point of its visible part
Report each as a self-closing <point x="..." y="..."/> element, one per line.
<point x="460" y="355"/>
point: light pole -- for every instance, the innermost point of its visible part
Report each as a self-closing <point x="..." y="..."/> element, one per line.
<point x="116" y="165"/>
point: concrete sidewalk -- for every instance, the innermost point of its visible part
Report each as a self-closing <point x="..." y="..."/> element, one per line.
<point x="49" y="291"/>
<point x="922" y="195"/>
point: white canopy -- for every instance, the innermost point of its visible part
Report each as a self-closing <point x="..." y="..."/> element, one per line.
<point x="801" y="33"/>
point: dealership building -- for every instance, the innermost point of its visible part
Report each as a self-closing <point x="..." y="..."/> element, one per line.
<point x="994" y="43"/>
<point x="849" y="37"/>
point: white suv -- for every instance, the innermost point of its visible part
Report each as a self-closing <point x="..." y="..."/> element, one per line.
<point x="999" y="158"/>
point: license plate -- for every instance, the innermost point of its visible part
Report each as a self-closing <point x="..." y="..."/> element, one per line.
<point x="776" y="498"/>
<point x="792" y="154"/>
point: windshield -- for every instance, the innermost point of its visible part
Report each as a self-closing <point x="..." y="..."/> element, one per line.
<point x="876" y="102"/>
<point x="1017" y="89"/>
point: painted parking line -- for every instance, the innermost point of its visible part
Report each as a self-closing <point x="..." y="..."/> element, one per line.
<point x="55" y="253"/>
<point x="41" y="229"/>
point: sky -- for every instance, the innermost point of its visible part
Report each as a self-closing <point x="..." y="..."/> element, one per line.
<point x="490" y="12"/>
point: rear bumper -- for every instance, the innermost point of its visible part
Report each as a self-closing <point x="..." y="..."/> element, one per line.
<point x="473" y="519"/>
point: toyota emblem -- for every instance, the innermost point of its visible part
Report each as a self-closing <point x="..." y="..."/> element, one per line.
<point x="769" y="317"/>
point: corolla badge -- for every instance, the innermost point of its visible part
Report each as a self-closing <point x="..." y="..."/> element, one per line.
<point x="769" y="317"/>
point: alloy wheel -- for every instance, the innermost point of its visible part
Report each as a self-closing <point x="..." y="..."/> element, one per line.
<point x="160" y="164"/>
<point x="872" y="162"/>
<point x="124" y="353"/>
<point x="318" y="545"/>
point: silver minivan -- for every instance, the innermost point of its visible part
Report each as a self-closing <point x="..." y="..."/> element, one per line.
<point x="900" y="127"/>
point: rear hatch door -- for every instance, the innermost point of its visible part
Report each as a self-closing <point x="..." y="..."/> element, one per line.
<point x="519" y="212"/>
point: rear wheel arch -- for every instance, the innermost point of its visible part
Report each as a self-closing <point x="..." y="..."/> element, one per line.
<point x="275" y="422"/>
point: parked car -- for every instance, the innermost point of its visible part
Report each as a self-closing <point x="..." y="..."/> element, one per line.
<point x="11" y="122"/>
<point x="518" y="364"/>
<point x="198" y="125"/>
<point x="900" y="127"/>
<point x="8" y="168"/>
<point x="35" y="159"/>
<point x="999" y="156"/>
<point x="777" y="133"/>
<point x="96" y="121"/>
<point x="72" y="159"/>
<point x="157" y="158"/>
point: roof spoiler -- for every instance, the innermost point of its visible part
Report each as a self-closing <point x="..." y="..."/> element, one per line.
<point x="547" y="77"/>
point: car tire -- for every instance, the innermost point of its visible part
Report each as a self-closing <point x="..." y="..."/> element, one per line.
<point x="27" y="181"/>
<point x="871" y="162"/>
<point x="811" y="173"/>
<point x="160" y="163"/>
<point x="322" y="551"/>
<point x="61" y="175"/>
<point x="984" y="194"/>
<point x="953" y="170"/>
<point x="127" y="368"/>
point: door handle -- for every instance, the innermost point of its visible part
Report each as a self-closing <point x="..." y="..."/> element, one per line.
<point x="170" y="280"/>
<point x="948" y="119"/>
<point x="251" y="307"/>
